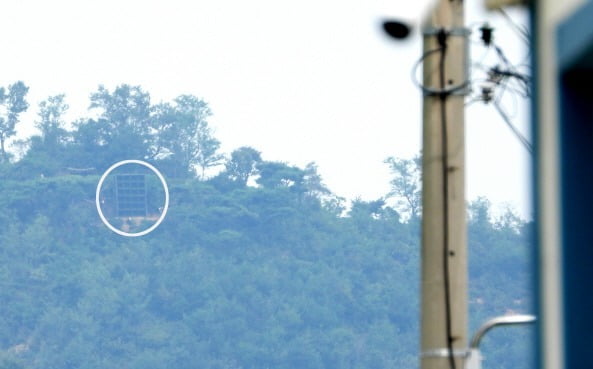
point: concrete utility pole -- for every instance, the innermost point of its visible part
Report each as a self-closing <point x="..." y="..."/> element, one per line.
<point x="444" y="249"/>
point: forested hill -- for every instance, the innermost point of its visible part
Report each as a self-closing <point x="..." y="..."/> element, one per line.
<point x="256" y="265"/>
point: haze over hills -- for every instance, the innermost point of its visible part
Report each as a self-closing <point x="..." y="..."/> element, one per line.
<point x="257" y="266"/>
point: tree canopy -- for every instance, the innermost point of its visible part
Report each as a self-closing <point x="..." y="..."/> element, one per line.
<point x="12" y="104"/>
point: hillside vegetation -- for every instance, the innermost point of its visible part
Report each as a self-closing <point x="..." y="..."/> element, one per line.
<point x="257" y="264"/>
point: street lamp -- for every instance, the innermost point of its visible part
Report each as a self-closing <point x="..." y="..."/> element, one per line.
<point x="397" y="29"/>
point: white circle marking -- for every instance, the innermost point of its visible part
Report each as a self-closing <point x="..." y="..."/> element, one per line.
<point x="98" y="203"/>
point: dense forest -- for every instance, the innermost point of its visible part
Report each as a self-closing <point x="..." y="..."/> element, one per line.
<point x="257" y="264"/>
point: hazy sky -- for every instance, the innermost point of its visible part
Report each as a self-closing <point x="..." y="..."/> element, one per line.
<point x="300" y="81"/>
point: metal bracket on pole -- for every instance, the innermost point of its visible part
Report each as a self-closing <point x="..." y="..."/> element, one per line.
<point x="459" y="31"/>
<point x="464" y="88"/>
<point x="444" y="352"/>
<point x="474" y="359"/>
<point x="459" y="90"/>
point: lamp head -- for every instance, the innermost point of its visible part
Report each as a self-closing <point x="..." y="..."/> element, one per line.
<point x="397" y="29"/>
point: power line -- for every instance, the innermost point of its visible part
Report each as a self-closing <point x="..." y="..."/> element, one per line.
<point x="515" y="131"/>
<point x="523" y="33"/>
<point x="503" y="78"/>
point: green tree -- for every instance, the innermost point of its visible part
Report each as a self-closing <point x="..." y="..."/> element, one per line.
<point x="51" y="121"/>
<point x="87" y="149"/>
<point x="280" y="175"/>
<point x="479" y="213"/>
<point x="123" y="125"/>
<point x="313" y="182"/>
<point x="183" y="136"/>
<point x="405" y="185"/>
<point x="242" y="164"/>
<point x="46" y="153"/>
<point x="12" y="104"/>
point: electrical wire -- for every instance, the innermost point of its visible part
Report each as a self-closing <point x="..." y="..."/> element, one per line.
<point x="443" y="95"/>
<point x="429" y="90"/>
<point x="512" y="75"/>
<point x="513" y="107"/>
<point x="515" y="131"/>
<point x="418" y="63"/>
<point x="502" y="56"/>
<point x="473" y="100"/>
<point x="523" y="33"/>
<point x="511" y="71"/>
<point x="508" y="79"/>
